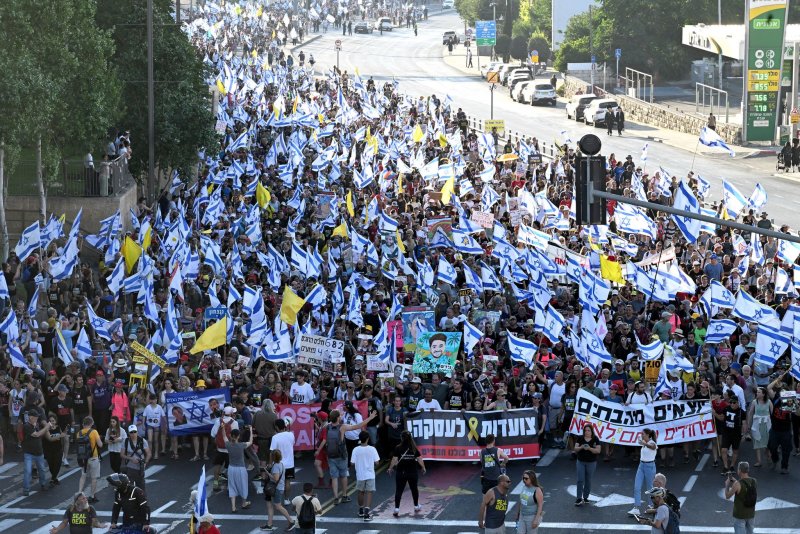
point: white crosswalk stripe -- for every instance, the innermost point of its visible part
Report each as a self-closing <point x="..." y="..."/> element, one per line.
<point x="8" y="523"/>
<point x="46" y="528"/>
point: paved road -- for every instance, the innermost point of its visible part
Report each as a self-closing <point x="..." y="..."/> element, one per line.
<point x="416" y="62"/>
<point x="449" y="499"/>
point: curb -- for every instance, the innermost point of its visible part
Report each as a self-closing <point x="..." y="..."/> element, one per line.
<point x="307" y="41"/>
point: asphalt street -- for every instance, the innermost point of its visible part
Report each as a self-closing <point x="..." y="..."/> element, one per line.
<point x="449" y="498"/>
<point x="417" y="64"/>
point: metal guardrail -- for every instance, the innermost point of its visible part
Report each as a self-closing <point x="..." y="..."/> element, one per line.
<point x="71" y="180"/>
<point x="700" y="102"/>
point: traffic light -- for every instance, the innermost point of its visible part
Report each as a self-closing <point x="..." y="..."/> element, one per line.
<point x="590" y="176"/>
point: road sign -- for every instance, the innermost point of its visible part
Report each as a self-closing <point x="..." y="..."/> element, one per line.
<point x="338" y="44"/>
<point x="485" y="32"/>
<point x="794" y="116"/>
<point x="618" y="53"/>
<point x="500" y="124"/>
<point x="215" y="313"/>
<point x="535" y="56"/>
<point x="594" y="59"/>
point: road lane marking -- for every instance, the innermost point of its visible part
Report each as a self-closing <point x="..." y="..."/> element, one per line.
<point x="159" y="510"/>
<point x="690" y="484"/>
<point x="702" y="463"/>
<point x="548" y="458"/>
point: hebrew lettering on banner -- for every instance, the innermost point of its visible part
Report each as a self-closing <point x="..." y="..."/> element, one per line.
<point x="673" y="421"/>
<point x="452" y="435"/>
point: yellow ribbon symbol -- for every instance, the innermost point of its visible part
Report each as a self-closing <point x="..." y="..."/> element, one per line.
<point x="473" y="427"/>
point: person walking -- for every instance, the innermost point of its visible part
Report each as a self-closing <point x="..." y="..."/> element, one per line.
<point x="276" y="472"/>
<point x="238" y="482"/>
<point x="53" y="448"/>
<point x="88" y="448"/>
<point x="283" y="441"/>
<point x="733" y="420"/>
<point x="469" y="58"/>
<point x="758" y="421"/>
<point x="115" y="438"/>
<point x="609" y="120"/>
<point x="493" y="460"/>
<point x="33" y="452"/>
<point x="136" y="454"/>
<point x="492" y="515"/>
<point x="332" y="441"/>
<point x="531" y="500"/>
<point x="588" y="448"/>
<point x="364" y="458"/>
<point x="744" y="492"/>
<point x="780" y="433"/>
<point x="80" y="516"/>
<point x="647" y="468"/>
<point x="406" y="459"/>
<point x="619" y="120"/>
<point x="307" y="508"/>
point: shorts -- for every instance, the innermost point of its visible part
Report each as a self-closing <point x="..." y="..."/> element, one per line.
<point x="221" y="458"/>
<point x="92" y="469"/>
<point x="263" y="448"/>
<point x="730" y="440"/>
<point x="277" y="498"/>
<point x="323" y="459"/>
<point x="365" y="485"/>
<point x="498" y="530"/>
<point x="290" y="473"/>
<point x="338" y="467"/>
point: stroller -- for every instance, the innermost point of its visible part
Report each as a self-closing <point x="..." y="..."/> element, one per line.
<point x="781" y="165"/>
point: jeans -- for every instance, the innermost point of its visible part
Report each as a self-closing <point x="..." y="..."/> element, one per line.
<point x="644" y="475"/>
<point x="743" y="526"/>
<point x="585" y="474"/>
<point x="782" y="440"/>
<point x="41" y="466"/>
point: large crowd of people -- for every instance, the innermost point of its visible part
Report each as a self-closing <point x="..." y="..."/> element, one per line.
<point x="330" y="191"/>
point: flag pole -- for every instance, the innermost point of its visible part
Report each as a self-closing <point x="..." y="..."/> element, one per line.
<point x="694" y="155"/>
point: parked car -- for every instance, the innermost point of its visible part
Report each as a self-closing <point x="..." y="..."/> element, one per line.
<point x="518" y="94"/>
<point x="449" y="36"/>
<point x="595" y="112"/>
<point x="363" y="27"/>
<point x="492" y="66"/>
<point x="576" y="106"/>
<point x="521" y="75"/>
<point x="448" y="4"/>
<point x="505" y="71"/>
<point x="384" y="23"/>
<point x="543" y="93"/>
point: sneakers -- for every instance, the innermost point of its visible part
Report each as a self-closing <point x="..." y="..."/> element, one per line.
<point x="417" y="508"/>
<point x="367" y="516"/>
<point x="361" y="512"/>
<point x="65" y="462"/>
<point x="291" y="526"/>
<point x="579" y="502"/>
<point x="267" y="528"/>
<point x="634" y="511"/>
<point x="345" y="498"/>
<point x="396" y="512"/>
<point x="92" y="500"/>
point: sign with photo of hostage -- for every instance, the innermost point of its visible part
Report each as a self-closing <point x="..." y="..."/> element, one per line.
<point x="436" y="352"/>
<point x="416" y="320"/>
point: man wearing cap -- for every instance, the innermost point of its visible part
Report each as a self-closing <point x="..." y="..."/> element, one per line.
<point x="618" y="375"/>
<point x="136" y="455"/>
<point x="225" y="424"/>
<point x="713" y="268"/>
<point x="663" y="327"/>
<point x="676" y="386"/>
<point x="660" y="522"/>
<point x="65" y="416"/>
<point x="415" y="394"/>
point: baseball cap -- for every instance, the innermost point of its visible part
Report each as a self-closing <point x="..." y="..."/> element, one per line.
<point x="416" y="380"/>
<point x="619" y="362"/>
<point x="229" y="410"/>
<point x="614" y="387"/>
<point x="133" y="428"/>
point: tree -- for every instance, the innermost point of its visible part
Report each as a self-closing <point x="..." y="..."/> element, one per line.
<point x="183" y="108"/>
<point x="519" y="48"/>
<point x="502" y="46"/>
<point x="541" y="44"/>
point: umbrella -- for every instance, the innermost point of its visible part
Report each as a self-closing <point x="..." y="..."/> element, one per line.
<point x="507" y="157"/>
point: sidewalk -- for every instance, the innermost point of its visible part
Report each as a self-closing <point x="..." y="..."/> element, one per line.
<point x="649" y="134"/>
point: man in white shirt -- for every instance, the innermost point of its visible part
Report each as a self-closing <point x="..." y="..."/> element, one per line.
<point x="301" y="391"/>
<point x="284" y="442"/>
<point x="557" y="390"/>
<point x="429" y="403"/>
<point x="365" y="457"/>
<point x="639" y="395"/>
<point x="675" y="384"/>
<point x="731" y="385"/>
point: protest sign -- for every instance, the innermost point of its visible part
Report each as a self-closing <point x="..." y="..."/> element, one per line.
<point x="416" y="320"/>
<point x="436" y="352"/>
<point x="324" y="199"/>
<point x="303" y="428"/>
<point x="319" y="351"/>
<point x="672" y="421"/>
<point x="376" y="363"/>
<point x="651" y="370"/>
<point x="193" y="412"/>
<point x="395" y="328"/>
<point x="482" y="218"/>
<point x="452" y="435"/>
<point x="151" y="356"/>
<point x="443" y="223"/>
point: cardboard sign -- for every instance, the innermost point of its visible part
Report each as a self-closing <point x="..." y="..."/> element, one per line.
<point x="141" y="350"/>
<point x="484" y="219"/>
<point x="500" y="124"/>
<point x="319" y="351"/>
<point x="651" y="371"/>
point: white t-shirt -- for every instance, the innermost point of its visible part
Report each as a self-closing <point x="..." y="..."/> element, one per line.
<point x="647" y="454"/>
<point x="364" y="458"/>
<point x="153" y="415"/>
<point x="556" y="392"/>
<point x="352" y="419"/>
<point x="284" y="442"/>
<point x="301" y="394"/>
<point x="424" y="405"/>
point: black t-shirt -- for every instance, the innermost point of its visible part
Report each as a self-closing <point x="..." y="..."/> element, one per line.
<point x="458" y="401"/>
<point x="80" y="522"/>
<point x="407" y="459"/>
<point x="31" y="444"/>
<point x="781" y="419"/>
<point x="80" y="401"/>
<point x="586" y="455"/>
<point x="733" y="420"/>
<point x="62" y="409"/>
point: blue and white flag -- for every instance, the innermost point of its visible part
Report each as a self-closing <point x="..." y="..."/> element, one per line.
<point x="33" y="306"/>
<point x="553" y="324"/>
<point x="686" y="201"/>
<point x="4" y="294"/>
<point x="749" y="309"/>
<point x="651" y="351"/>
<point x="64" y="352"/>
<point x="446" y="272"/>
<point x="771" y="343"/>
<point x="472" y="335"/>
<point x="703" y="186"/>
<point x="201" y="497"/>
<point x="715" y="297"/>
<point x="472" y="280"/>
<point x="758" y="199"/>
<point x="644" y="152"/>
<point x="720" y="330"/>
<point x="84" y="346"/>
<point x="10" y="327"/>
<point x="17" y="358"/>
<point x="709" y="137"/>
<point x="734" y="201"/>
<point x="521" y="350"/>
<point x="464" y="242"/>
<point x="29" y="241"/>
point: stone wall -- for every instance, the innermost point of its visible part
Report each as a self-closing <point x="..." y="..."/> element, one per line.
<point x="659" y="116"/>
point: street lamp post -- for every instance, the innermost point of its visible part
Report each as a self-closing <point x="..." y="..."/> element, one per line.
<point x="494" y="18"/>
<point x="491" y="100"/>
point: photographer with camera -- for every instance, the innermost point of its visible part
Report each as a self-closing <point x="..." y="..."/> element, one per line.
<point x="745" y="491"/>
<point x="130" y="500"/>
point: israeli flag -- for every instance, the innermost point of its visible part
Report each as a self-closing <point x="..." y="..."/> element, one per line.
<point x="553" y="324"/>
<point x="521" y="350"/>
<point x="472" y="335"/>
<point x="4" y="294"/>
<point x="594" y="349"/>
<point x="771" y="343"/>
<point x="703" y="187"/>
<point x="63" y="349"/>
<point x="239" y="143"/>
<point x="748" y="308"/>
<point x="644" y="152"/>
<point x="446" y="272"/>
<point x="489" y="198"/>
<point x="463" y="242"/>
<point x="29" y="241"/>
<point x="715" y="297"/>
<point x="84" y="346"/>
<point x="473" y="281"/>
<point x="758" y="199"/>
<point x="720" y="330"/>
<point x="686" y="201"/>
<point x="10" y="327"/>
<point x="34" y="304"/>
<point x="17" y="358"/>
<point x="734" y="201"/>
<point x="201" y="497"/>
<point x="711" y="138"/>
<point x="651" y="351"/>
<point x="794" y="370"/>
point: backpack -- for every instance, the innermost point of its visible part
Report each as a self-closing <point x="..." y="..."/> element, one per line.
<point x="335" y="445"/>
<point x="307" y="516"/>
<point x="83" y="448"/>
<point x="750" y="495"/>
<point x="674" y="524"/>
<point x="219" y="440"/>
<point x="138" y="447"/>
<point x="673" y="503"/>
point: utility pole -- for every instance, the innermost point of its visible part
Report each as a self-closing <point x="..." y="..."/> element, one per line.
<point x="151" y="115"/>
<point x="491" y="100"/>
<point x="719" y="60"/>
<point x="591" y="45"/>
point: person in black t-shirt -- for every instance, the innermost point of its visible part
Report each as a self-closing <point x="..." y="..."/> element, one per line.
<point x="733" y="419"/>
<point x="780" y="435"/>
<point x="81" y="518"/>
<point x="587" y="447"/>
<point x="406" y="459"/>
<point x="457" y="397"/>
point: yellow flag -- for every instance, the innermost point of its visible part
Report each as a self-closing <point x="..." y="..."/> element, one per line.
<point x="259" y="11"/>
<point x="221" y="87"/>
<point x="131" y="251"/>
<point x="349" y="200"/>
<point x="290" y="306"/>
<point x="294" y="106"/>
<point x="254" y="54"/>
<point x="417" y="134"/>
<point x="400" y="243"/>
<point x="611" y="270"/>
<point x="442" y="140"/>
<point x="341" y="231"/>
<point x="62" y="218"/>
<point x="213" y="337"/>
<point x="148" y="237"/>
<point x="448" y="189"/>
<point x="400" y="184"/>
<point x="262" y="195"/>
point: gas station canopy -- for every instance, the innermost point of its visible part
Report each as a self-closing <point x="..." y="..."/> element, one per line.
<point x="729" y="40"/>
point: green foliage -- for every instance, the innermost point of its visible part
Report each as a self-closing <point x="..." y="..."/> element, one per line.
<point x="502" y="47"/>
<point x="468" y="10"/>
<point x="541" y="44"/>
<point x="183" y="118"/>
<point x="519" y="48"/>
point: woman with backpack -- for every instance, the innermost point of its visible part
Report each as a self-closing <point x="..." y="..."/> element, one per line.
<point x="274" y="485"/>
<point x="531" y="499"/>
<point x="406" y="459"/>
<point x="115" y="438"/>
